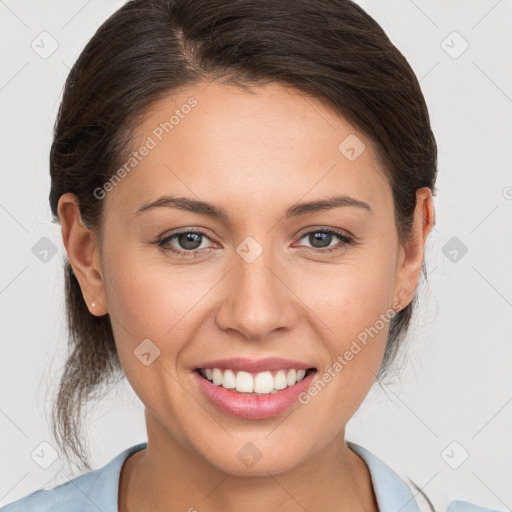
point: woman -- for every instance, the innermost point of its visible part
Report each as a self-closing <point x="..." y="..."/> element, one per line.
<point x="245" y="193"/>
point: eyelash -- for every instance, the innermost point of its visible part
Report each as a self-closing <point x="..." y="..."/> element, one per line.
<point x="345" y="241"/>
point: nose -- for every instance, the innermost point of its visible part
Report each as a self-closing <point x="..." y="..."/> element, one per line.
<point x="256" y="299"/>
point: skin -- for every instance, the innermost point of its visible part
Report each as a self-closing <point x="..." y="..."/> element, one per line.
<point x="255" y="155"/>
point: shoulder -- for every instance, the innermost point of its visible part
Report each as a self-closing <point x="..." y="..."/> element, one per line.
<point x="92" y="491"/>
<point x="466" y="506"/>
<point x="394" y="493"/>
<point x="67" y="496"/>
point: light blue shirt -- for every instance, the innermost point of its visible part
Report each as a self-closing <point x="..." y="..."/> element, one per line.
<point x="97" y="491"/>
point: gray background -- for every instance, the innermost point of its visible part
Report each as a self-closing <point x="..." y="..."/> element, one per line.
<point x="453" y="395"/>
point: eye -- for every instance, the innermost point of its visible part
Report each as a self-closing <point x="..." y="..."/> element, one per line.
<point x="190" y="241"/>
<point x="321" y="239"/>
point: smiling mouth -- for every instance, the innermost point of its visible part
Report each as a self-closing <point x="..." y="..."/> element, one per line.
<point x="251" y="383"/>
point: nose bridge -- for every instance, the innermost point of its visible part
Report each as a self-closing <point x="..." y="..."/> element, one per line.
<point x="256" y="301"/>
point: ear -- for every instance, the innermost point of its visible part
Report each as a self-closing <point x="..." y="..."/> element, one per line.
<point x="411" y="255"/>
<point x="83" y="254"/>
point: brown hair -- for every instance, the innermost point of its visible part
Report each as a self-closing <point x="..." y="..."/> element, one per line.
<point x="329" y="49"/>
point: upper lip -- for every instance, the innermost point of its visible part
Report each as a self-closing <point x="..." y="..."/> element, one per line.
<point x="255" y="365"/>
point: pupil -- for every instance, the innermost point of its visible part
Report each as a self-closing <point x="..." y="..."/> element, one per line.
<point x="187" y="240"/>
<point x="320" y="237"/>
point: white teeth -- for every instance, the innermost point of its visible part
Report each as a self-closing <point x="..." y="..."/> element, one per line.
<point x="229" y="380"/>
<point x="280" y="380"/>
<point x="263" y="383"/>
<point x="244" y="382"/>
<point x="291" y="379"/>
<point x="217" y="377"/>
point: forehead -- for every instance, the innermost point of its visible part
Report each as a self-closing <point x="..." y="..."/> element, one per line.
<point x="231" y="146"/>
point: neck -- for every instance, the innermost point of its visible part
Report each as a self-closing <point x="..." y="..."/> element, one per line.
<point x="167" y="473"/>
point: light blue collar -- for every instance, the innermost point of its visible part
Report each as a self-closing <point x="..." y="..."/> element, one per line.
<point x="392" y="492"/>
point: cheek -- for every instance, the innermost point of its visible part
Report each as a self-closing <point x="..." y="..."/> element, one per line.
<point x="155" y="300"/>
<point x="353" y="300"/>
<point x="353" y="294"/>
<point x="357" y="332"/>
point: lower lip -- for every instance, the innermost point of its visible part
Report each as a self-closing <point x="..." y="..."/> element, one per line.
<point x="253" y="407"/>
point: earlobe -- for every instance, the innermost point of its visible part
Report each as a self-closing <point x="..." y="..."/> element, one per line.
<point x="82" y="249"/>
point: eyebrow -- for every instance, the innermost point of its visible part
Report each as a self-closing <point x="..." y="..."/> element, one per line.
<point x="215" y="212"/>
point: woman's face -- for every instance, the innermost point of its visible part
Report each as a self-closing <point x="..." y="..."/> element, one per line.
<point x="264" y="280"/>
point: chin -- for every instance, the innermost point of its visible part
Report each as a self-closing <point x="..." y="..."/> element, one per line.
<point x="247" y="454"/>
